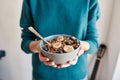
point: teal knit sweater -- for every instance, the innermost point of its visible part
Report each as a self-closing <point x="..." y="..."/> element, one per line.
<point x="48" y="17"/>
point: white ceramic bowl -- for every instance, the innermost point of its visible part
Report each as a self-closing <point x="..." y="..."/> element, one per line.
<point x="56" y="57"/>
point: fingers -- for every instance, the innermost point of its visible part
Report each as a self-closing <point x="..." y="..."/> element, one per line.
<point x="69" y="63"/>
<point x="81" y="51"/>
<point x="74" y="61"/>
<point x="50" y="63"/>
<point x="63" y="65"/>
<point x="46" y="61"/>
<point x="42" y="58"/>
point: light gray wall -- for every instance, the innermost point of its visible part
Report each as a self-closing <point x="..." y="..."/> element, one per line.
<point x="106" y="7"/>
<point x="113" y="42"/>
<point x="17" y="65"/>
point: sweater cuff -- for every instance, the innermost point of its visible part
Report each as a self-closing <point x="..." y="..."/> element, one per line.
<point x="25" y="46"/>
<point x="93" y="47"/>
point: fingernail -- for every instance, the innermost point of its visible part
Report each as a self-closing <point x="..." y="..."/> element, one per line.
<point x="47" y="59"/>
<point x="53" y="63"/>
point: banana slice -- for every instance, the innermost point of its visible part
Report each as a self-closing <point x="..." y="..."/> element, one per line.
<point x="73" y="37"/>
<point x="68" y="48"/>
<point x="60" y="38"/>
<point x="56" y="45"/>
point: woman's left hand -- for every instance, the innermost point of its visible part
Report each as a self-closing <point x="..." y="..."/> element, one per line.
<point x="84" y="47"/>
<point x="73" y="62"/>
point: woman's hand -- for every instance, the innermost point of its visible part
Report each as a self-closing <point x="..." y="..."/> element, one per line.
<point x="73" y="62"/>
<point x="84" y="47"/>
<point x="34" y="47"/>
<point x="46" y="60"/>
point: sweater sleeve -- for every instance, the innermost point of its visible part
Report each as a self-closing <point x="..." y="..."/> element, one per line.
<point x="26" y="20"/>
<point x="92" y="33"/>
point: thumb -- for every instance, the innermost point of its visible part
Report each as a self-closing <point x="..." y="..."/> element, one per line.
<point x="81" y="51"/>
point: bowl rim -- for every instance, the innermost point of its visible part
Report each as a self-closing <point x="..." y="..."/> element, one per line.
<point x="58" y="53"/>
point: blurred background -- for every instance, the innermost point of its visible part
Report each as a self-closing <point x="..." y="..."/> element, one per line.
<point x="16" y="65"/>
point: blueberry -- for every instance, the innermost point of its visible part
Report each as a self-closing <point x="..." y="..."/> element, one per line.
<point x="75" y="41"/>
<point x="75" y="47"/>
<point x="67" y="42"/>
<point x="45" y="48"/>
<point x="60" y="51"/>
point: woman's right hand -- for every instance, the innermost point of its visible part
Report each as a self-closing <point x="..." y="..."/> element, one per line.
<point x="34" y="47"/>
